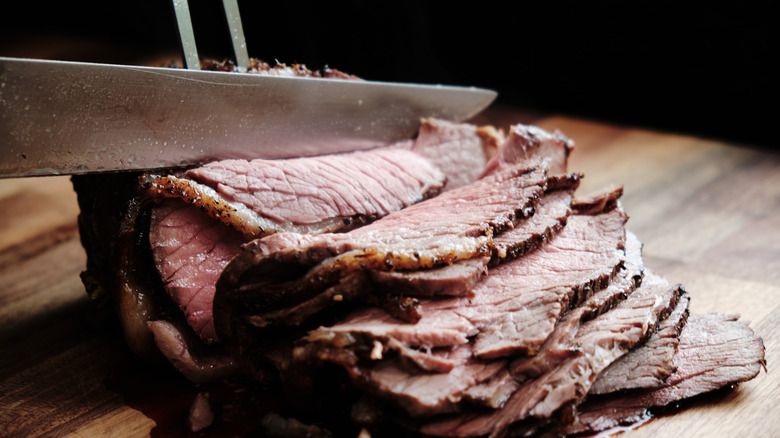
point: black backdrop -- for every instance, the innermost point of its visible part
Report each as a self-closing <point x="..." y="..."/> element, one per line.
<point x="695" y="67"/>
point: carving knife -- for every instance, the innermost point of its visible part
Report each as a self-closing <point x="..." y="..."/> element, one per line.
<point x="61" y="117"/>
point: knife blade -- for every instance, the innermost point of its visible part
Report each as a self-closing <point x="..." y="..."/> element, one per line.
<point x="60" y="117"/>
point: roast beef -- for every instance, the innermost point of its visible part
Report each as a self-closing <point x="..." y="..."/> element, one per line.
<point x="458" y="279"/>
<point x="549" y="218"/>
<point x="600" y="342"/>
<point x="289" y="271"/>
<point x="117" y="212"/>
<point x="244" y="199"/>
<point x="525" y="141"/>
<point x="423" y="394"/>
<point x="605" y="339"/>
<point x="495" y="307"/>
<point x="286" y="270"/>
<point x="114" y="227"/>
<point x="309" y="195"/>
<point x="621" y="376"/>
<point x="649" y="365"/>
<point x="584" y="256"/>
<point x="190" y="250"/>
<point x="460" y="150"/>
<point x="476" y="381"/>
<point x="529" y="296"/>
<point x="590" y="249"/>
<point x="602" y="200"/>
<point x="306" y="195"/>
<point x="715" y="351"/>
<point x="562" y="343"/>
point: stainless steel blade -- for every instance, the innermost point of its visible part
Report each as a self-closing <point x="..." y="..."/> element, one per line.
<point x="69" y="118"/>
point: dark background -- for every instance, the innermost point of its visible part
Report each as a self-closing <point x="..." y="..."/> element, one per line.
<point x="704" y="68"/>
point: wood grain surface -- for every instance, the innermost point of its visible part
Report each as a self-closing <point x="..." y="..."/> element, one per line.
<point x="708" y="213"/>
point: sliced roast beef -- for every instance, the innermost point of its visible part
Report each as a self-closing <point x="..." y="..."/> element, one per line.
<point x="649" y="365"/>
<point x="601" y="341"/>
<point x="190" y="251"/>
<point x="315" y="194"/>
<point x="453" y="226"/>
<point x="598" y="201"/>
<point x="306" y="195"/>
<point x="284" y="270"/>
<point x="425" y="394"/>
<point x="528" y="297"/>
<point x="494" y="308"/>
<point x="550" y="217"/>
<point x="116" y="214"/>
<point x="715" y="351"/>
<point x="533" y="291"/>
<point x="460" y="150"/>
<point x="493" y="392"/>
<point x="378" y="247"/>
<point x="458" y="279"/>
<point x="562" y="343"/>
<point x="606" y="338"/>
<point x="658" y="349"/>
<point x="114" y="226"/>
<point x="443" y="343"/>
<point x="525" y="141"/>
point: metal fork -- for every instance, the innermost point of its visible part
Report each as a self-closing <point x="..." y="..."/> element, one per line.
<point x="191" y="61"/>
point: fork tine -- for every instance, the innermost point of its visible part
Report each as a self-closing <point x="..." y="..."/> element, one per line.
<point x="236" y="33"/>
<point x="183" y="20"/>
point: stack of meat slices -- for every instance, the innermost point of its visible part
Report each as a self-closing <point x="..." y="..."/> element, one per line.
<point x="499" y="303"/>
<point x="156" y="244"/>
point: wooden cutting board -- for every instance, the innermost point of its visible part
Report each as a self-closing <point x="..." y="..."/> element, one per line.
<point x="708" y="213"/>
